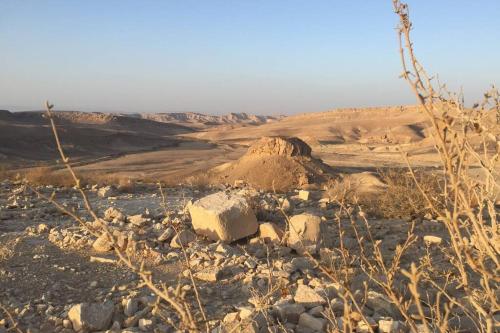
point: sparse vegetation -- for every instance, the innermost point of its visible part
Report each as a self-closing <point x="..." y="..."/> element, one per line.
<point x="316" y="265"/>
<point x="401" y="198"/>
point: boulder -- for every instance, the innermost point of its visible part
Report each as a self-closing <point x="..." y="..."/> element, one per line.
<point x="223" y="216"/>
<point x="305" y="233"/>
<point x="91" y="316"/>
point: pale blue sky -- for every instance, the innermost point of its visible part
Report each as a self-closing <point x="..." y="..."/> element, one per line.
<point x="256" y="56"/>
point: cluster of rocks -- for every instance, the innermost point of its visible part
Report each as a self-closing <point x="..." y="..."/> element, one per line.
<point x="250" y="253"/>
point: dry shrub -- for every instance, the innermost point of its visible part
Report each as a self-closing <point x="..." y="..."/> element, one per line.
<point x="50" y="175"/>
<point x="402" y="198"/>
<point x="46" y="175"/>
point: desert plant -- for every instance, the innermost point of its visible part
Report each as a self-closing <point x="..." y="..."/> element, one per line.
<point x="465" y="138"/>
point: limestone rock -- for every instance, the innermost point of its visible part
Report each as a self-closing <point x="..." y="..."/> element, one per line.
<point x="137" y="220"/>
<point x="184" y="237"/>
<point x="106" y="191"/>
<point x="166" y="235"/>
<point x="91" y="316"/>
<point x="113" y="214"/>
<point x="209" y="274"/>
<point x="102" y="244"/>
<point x="223" y="216"/>
<point x="380" y="303"/>
<point x="305" y="233"/>
<point x="307" y="297"/>
<point x="391" y="326"/>
<point x="308" y="321"/>
<point x="304" y="195"/>
<point x="270" y="232"/>
<point x="289" y="312"/>
<point x="434" y="240"/>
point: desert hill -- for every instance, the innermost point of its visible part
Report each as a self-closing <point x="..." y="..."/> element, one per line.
<point x="278" y="163"/>
<point x="403" y="124"/>
<point x="27" y="136"/>
<point x="174" y="146"/>
<point x="204" y="120"/>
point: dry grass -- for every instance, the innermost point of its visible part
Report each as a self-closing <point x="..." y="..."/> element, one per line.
<point x="47" y="175"/>
<point x="401" y="198"/>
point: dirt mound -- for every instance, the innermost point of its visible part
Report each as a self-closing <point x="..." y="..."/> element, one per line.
<point x="279" y="162"/>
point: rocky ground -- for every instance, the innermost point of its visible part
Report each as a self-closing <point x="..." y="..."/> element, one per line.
<point x="56" y="277"/>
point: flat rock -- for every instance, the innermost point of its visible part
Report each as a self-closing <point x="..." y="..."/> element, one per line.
<point x="211" y="274"/>
<point x="307" y="297"/>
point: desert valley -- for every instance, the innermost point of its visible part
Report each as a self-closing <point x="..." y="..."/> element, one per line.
<point x="376" y="219"/>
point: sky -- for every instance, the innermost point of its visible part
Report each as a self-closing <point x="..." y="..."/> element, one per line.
<point x="220" y="56"/>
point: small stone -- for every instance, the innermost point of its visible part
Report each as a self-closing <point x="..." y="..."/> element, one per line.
<point x="307" y="297"/>
<point x="113" y="214"/>
<point x="67" y="323"/>
<point x="231" y="317"/>
<point x="130" y="307"/>
<point x="183" y="238"/>
<point x="145" y="325"/>
<point x="210" y="274"/>
<point x="91" y="316"/>
<point x="106" y="192"/>
<point x="304" y="195"/>
<point x="102" y="244"/>
<point x="289" y="312"/>
<point x="270" y="232"/>
<point x="317" y="311"/>
<point x="308" y="321"/>
<point x="166" y="235"/>
<point x="432" y="240"/>
<point x="391" y="326"/>
<point x="137" y="220"/>
<point x="367" y="326"/>
<point x="380" y="303"/>
<point x="42" y="228"/>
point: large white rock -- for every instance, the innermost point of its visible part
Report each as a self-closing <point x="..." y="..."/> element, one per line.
<point x="223" y="216"/>
<point x="91" y="316"/>
<point x="305" y="233"/>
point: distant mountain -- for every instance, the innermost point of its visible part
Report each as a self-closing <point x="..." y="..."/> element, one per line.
<point x="26" y="135"/>
<point x="200" y="119"/>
